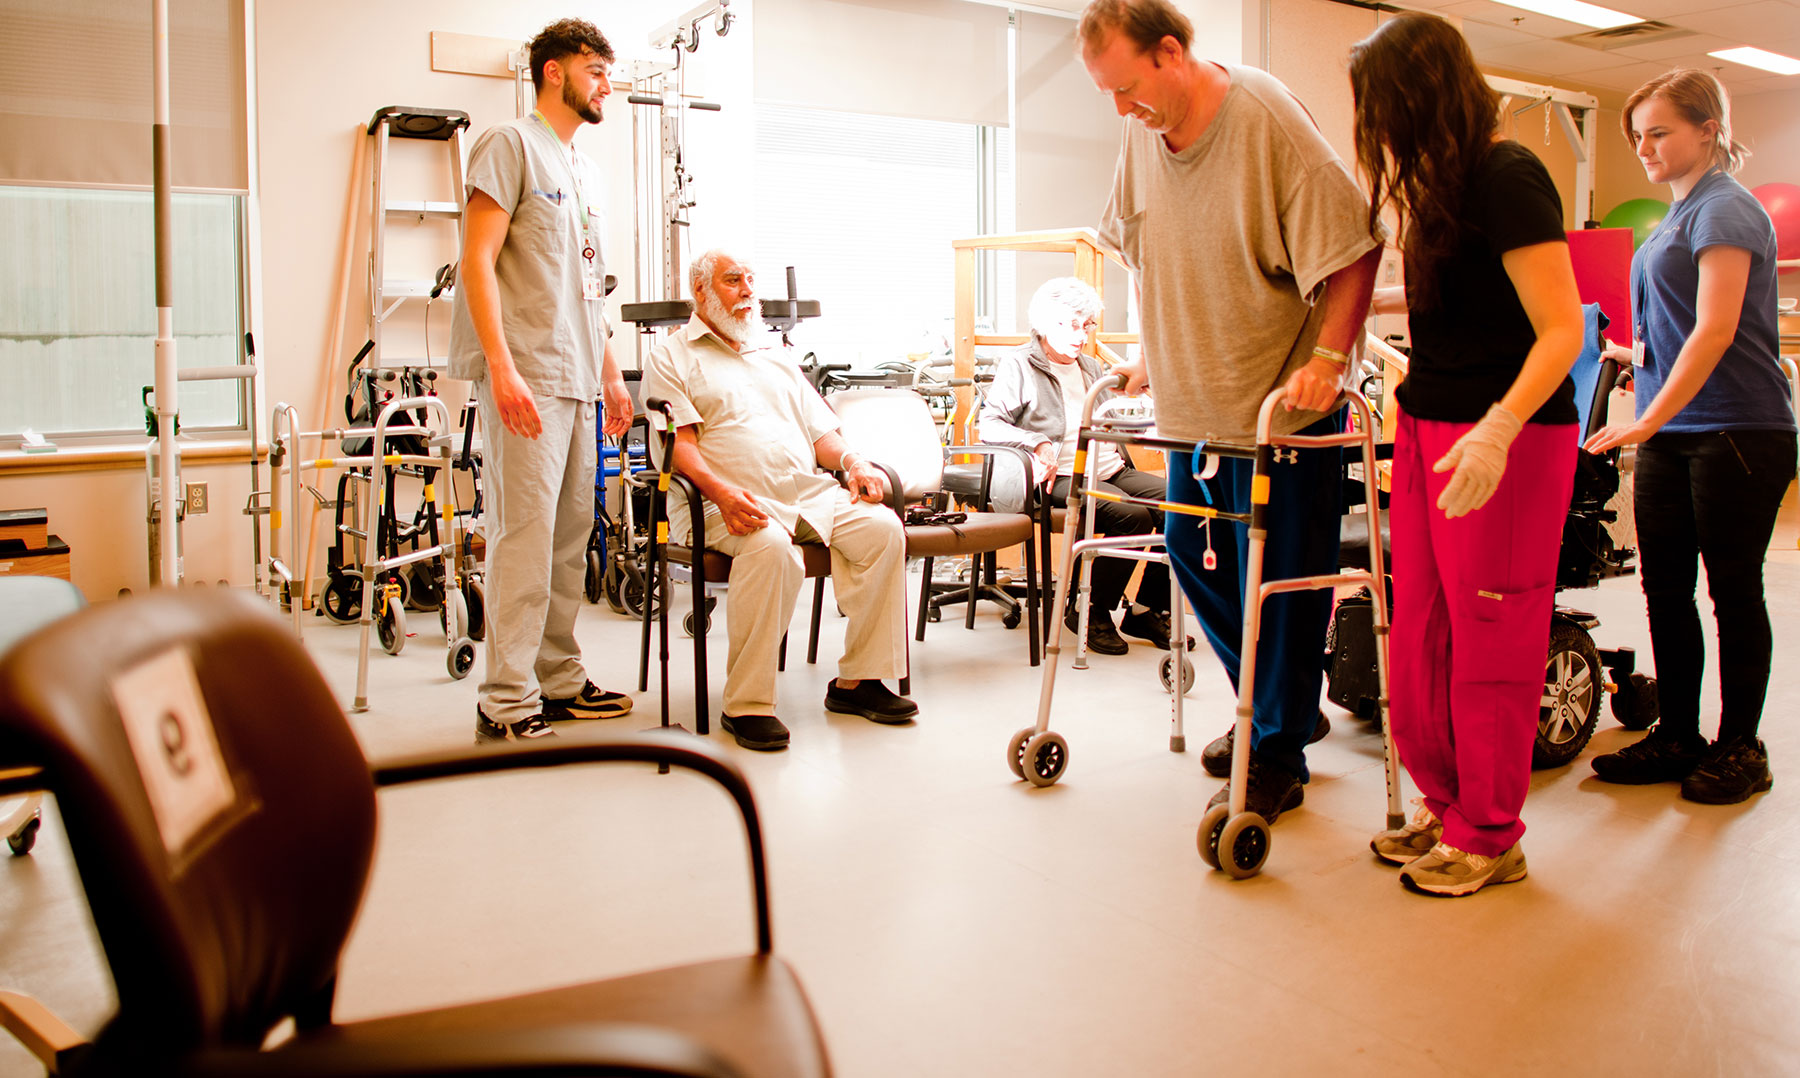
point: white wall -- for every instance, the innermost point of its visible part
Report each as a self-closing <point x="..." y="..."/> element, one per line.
<point x="322" y="68"/>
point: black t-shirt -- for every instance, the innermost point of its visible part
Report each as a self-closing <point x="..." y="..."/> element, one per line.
<point x="1470" y="344"/>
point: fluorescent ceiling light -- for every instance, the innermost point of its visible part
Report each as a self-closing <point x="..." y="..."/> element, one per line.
<point x="1768" y="61"/>
<point x="1600" y="18"/>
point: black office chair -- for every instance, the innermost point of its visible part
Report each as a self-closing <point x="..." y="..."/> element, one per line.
<point x="223" y="880"/>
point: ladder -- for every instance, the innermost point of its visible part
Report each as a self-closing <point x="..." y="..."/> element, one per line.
<point x="387" y="294"/>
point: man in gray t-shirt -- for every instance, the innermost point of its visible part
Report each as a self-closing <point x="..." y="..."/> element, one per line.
<point x="1251" y="247"/>
<point x="529" y="329"/>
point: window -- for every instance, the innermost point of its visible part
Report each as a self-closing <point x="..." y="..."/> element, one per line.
<point x="864" y="208"/>
<point x="77" y="334"/>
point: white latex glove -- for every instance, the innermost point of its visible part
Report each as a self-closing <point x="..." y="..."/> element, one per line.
<point x="1479" y="460"/>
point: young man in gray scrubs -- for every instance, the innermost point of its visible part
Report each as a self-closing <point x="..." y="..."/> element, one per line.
<point x="530" y="331"/>
<point x="1252" y="251"/>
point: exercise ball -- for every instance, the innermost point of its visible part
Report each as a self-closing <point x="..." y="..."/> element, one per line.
<point x="1782" y="200"/>
<point x="1641" y="215"/>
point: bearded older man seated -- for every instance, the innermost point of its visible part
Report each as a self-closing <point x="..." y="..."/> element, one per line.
<point x="752" y="434"/>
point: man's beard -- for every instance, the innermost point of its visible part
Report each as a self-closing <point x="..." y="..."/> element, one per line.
<point x="738" y="330"/>
<point x="586" y="109"/>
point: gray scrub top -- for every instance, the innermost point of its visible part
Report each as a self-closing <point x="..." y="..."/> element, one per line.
<point x="553" y="194"/>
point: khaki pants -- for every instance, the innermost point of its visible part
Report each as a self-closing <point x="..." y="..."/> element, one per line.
<point x="538" y="512"/>
<point x="868" y="573"/>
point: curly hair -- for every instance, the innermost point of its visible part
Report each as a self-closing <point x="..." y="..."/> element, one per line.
<point x="1425" y="119"/>
<point x="565" y="37"/>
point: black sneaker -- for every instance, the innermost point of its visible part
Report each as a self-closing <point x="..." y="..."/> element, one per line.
<point x="489" y="732"/>
<point x="1729" y="773"/>
<point x="1273" y="790"/>
<point x="1215" y="758"/>
<point x="872" y="700"/>
<point x="761" y="733"/>
<point x="1102" y="638"/>
<point x="1150" y="626"/>
<point x="1656" y="757"/>
<point x="592" y="702"/>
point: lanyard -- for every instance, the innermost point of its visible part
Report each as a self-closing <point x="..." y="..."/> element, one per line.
<point x="581" y="206"/>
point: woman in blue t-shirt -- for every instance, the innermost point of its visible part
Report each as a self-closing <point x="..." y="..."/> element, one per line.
<point x="1715" y="437"/>
<point x="1484" y="453"/>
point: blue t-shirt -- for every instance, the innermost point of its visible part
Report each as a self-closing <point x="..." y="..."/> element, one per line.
<point x="1747" y="390"/>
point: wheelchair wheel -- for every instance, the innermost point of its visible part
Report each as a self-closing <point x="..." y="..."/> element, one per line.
<point x="611" y="588"/>
<point x="1636" y="705"/>
<point x="703" y="624"/>
<point x="341" y="601"/>
<point x="632" y="595"/>
<point x="1570" y="707"/>
<point x="424" y="586"/>
<point x="594" y="582"/>
<point x="475" y="595"/>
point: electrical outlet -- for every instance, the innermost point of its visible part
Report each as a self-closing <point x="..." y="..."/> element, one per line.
<point x="196" y="498"/>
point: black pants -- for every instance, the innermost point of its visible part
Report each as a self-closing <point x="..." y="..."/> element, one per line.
<point x="1113" y="518"/>
<point x="1713" y="495"/>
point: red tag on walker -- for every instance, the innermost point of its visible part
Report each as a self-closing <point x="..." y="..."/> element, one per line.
<point x="1211" y="561"/>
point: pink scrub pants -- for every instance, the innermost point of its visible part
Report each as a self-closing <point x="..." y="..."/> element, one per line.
<point x="1472" y="603"/>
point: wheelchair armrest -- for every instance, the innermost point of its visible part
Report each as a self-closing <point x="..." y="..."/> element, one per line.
<point x="692" y="755"/>
<point x="589" y="1048"/>
<point x="1032" y="490"/>
<point x="896" y="498"/>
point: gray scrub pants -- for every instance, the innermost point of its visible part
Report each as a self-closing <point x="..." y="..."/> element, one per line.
<point x="538" y="513"/>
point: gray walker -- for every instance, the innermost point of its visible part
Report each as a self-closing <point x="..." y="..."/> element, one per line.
<point x="1229" y="838"/>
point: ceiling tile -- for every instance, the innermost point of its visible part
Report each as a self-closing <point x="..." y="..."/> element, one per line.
<point x="1624" y="79"/>
<point x="1666" y="10"/>
<point x="1482" y="36"/>
<point x="1514" y="18"/>
<point x="1748" y="24"/>
<point x="1696" y="45"/>
<point x="1553" y="58"/>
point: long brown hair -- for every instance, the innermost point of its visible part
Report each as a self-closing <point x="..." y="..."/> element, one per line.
<point x="1425" y="117"/>
<point x="1698" y="97"/>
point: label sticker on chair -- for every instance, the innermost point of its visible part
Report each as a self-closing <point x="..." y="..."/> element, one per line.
<point x="171" y="737"/>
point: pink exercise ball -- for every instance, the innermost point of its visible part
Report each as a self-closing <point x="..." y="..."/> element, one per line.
<point x="1782" y="200"/>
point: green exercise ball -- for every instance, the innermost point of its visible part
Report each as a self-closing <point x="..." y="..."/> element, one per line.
<point x="1641" y="215"/>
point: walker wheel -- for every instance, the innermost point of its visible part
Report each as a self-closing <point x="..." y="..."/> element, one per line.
<point x="1208" y="837"/>
<point x="391" y="627"/>
<point x="593" y="584"/>
<point x="475" y="595"/>
<point x="342" y="600"/>
<point x="461" y="658"/>
<point x="1166" y="671"/>
<point x="1010" y="619"/>
<point x="1015" y="751"/>
<point x="453" y="615"/>
<point x="1243" y="845"/>
<point x="21" y="841"/>
<point x="1045" y="758"/>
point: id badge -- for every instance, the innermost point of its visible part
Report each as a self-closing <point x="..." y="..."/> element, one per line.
<point x="1637" y="353"/>
<point x="593" y="288"/>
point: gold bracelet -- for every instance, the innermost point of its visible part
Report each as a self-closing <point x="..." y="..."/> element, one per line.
<point x="1332" y="355"/>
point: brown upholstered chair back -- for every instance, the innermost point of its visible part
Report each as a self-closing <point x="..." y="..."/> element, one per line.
<point x="242" y="922"/>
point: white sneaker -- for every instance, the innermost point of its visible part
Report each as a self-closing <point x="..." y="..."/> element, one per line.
<point x="1412" y="841"/>
<point x="1447" y="870"/>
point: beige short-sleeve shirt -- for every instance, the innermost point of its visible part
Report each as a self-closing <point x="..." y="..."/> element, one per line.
<point x="758" y="418"/>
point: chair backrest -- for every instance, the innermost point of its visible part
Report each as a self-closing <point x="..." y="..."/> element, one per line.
<point x="219" y="808"/>
<point x="894" y="427"/>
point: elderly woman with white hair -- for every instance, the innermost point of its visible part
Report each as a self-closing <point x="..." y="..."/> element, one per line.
<point x="1035" y="403"/>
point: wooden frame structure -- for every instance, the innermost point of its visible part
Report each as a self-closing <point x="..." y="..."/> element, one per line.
<point x="1090" y="266"/>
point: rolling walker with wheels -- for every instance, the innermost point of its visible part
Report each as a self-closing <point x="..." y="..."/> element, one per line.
<point x="1230" y="837"/>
